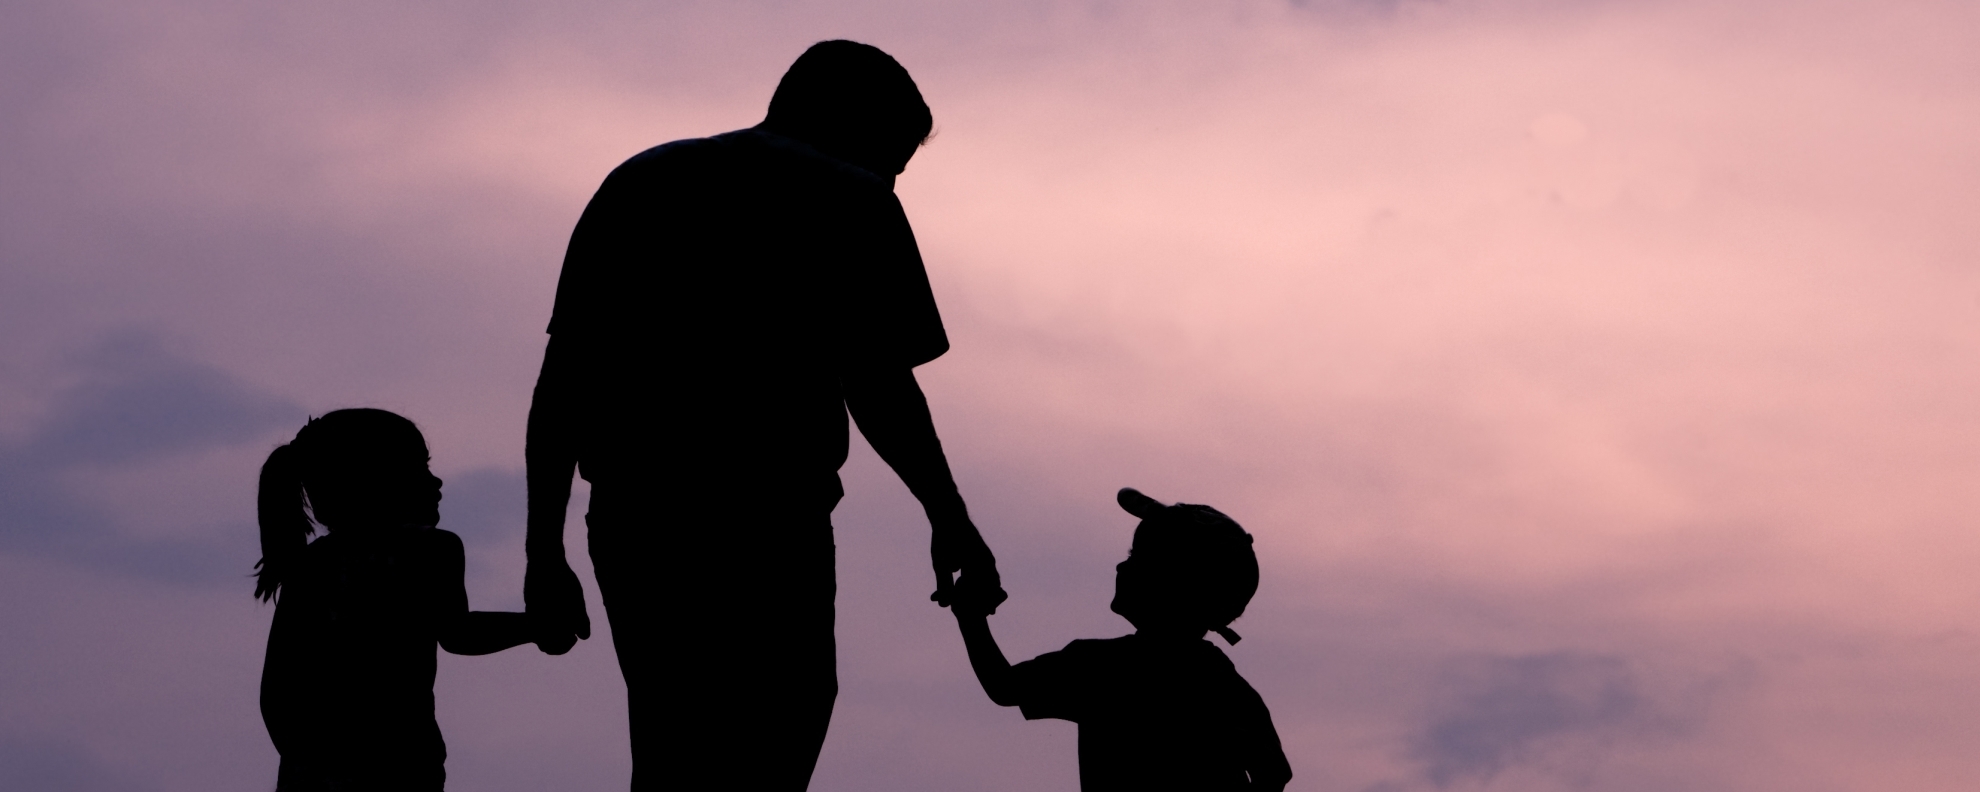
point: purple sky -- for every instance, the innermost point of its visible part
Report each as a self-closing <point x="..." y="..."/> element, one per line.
<point x="1597" y="377"/>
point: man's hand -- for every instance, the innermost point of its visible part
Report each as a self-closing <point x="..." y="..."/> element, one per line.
<point x="554" y="599"/>
<point x="956" y="546"/>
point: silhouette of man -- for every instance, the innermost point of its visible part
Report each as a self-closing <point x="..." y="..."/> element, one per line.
<point x="724" y="303"/>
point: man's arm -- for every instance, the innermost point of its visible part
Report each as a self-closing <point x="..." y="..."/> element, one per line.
<point x="550" y="589"/>
<point x="892" y="413"/>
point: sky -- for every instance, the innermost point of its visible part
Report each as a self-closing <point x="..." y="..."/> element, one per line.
<point x="1596" y="376"/>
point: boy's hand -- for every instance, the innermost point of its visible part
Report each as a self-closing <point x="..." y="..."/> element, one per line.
<point x="969" y="600"/>
<point x="957" y="547"/>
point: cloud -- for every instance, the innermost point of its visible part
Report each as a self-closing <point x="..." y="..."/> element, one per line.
<point x="1507" y="325"/>
<point x="131" y="405"/>
<point x="48" y="764"/>
<point x="1503" y="711"/>
<point x="488" y="503"/>
<point x="136" y="402"/>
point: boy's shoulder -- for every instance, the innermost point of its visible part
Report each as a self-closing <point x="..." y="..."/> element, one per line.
<point x="1136" y="653"/>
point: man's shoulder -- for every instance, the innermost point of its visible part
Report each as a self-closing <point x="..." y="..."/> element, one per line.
<point x="738" y="153"/>
<point x="797" y="155"/>
<point x="687" y="154"/>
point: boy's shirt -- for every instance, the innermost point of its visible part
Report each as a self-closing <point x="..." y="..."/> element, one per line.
<point x="1154" y="714"/>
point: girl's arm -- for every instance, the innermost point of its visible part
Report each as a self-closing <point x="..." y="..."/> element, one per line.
<point x="465" y="632"/>
<point x="486" y="632"/>
<point x="992" y="670"/>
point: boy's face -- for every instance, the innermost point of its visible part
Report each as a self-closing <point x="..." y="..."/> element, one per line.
<point x="1125" y="590"/>
<point x="1139" y="595"/>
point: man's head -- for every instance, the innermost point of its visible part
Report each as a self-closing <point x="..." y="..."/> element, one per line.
<point x="854" y="102"/>
<point x="1191" y="568"/>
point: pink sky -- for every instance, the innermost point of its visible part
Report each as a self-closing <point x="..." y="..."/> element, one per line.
<point x="1595" y="376"/>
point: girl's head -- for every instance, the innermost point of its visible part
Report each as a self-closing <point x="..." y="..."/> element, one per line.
<point x="1190" y="569"/>
<point x="359" y="470"/>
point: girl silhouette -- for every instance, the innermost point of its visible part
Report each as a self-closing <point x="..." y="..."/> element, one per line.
<point x="347" y="687"/>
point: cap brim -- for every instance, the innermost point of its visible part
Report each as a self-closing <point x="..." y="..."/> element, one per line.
<point x="1138" y="504"/>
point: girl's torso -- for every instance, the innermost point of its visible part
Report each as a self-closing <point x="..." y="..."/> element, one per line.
<point x="352" y="655"/>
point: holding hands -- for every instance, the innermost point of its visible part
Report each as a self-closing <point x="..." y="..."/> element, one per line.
<point x="554" y="600"/>
<point x="957" y="547"/>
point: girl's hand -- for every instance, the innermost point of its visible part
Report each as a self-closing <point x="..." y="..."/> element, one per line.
<point x="546" y="636"/>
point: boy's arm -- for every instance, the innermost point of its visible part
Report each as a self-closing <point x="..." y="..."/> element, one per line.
<point x="1265" y="758"/>
<point x="992" y="670"/>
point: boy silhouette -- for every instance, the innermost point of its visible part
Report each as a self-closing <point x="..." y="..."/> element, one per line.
<point x="1161" y="708"/>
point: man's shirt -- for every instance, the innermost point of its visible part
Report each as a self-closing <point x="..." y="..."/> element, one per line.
<point x="714" y="292"/>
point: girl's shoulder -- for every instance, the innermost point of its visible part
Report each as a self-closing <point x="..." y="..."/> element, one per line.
<point x="424" y="543"/>
<point x="436" y="543"/>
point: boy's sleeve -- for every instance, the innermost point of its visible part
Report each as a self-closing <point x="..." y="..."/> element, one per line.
<point x="1056" y="684"/>
<point x="1258" y="741"/>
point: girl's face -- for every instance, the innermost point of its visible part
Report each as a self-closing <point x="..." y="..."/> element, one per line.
<point x="394" y="491"/>
<point x="408" y="492"/>
<point x="412" y="494"/>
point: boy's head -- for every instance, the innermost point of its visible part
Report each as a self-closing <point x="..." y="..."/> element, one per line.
<point x="1190" y="569"/>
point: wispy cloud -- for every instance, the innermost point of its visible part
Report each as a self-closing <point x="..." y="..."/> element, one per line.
<point x="132" y="403"/>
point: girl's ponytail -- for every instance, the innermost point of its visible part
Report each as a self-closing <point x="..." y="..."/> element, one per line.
<point x="285" y="524"/>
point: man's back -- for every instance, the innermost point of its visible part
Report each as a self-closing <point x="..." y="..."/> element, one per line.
<point x="717" y="287"/>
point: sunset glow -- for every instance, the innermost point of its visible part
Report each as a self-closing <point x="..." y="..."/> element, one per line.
<point x="1598" y="378"/>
